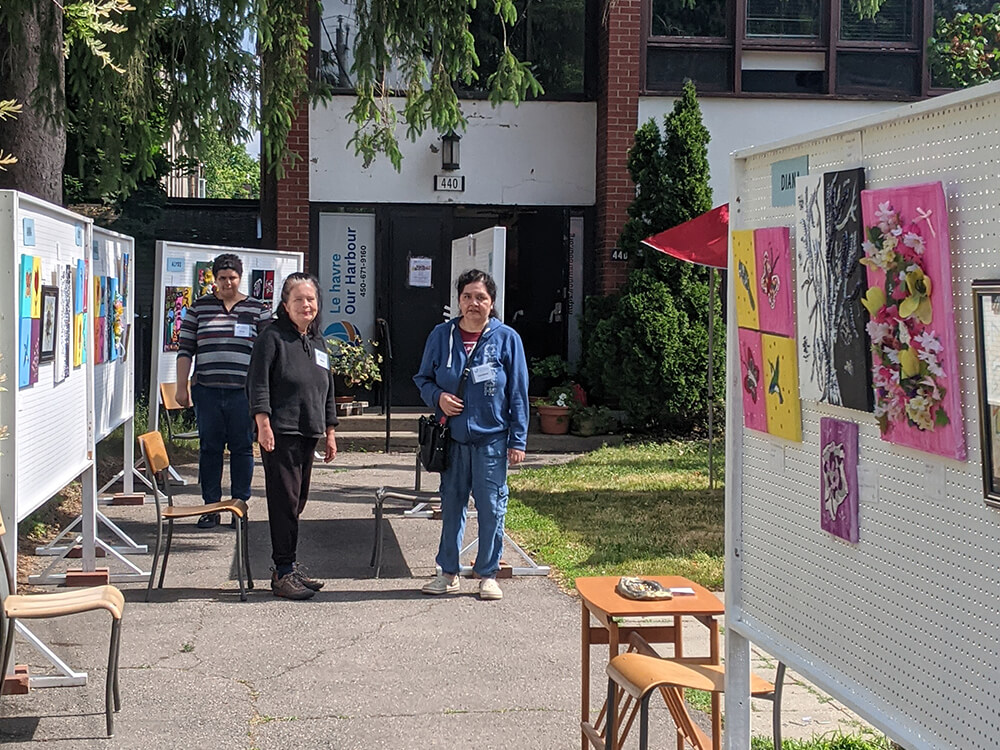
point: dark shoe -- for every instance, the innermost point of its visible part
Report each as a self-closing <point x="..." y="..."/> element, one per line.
<point x="289" y="587"/>
<point x="310" y="583"/>
<point x="208" y="521"/>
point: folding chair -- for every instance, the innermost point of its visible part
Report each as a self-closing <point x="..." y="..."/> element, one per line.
<point x="154" y="453"/>
<point x="42" y="606"/>
<point x="171" y="409"/>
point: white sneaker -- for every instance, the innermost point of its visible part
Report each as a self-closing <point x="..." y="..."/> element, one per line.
<point x="441" y="584"/>
<point x="489" y="589"/>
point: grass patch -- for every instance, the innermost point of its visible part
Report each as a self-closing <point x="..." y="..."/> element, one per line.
<point x="626" y="510"/>
<point x="866" y="740"/>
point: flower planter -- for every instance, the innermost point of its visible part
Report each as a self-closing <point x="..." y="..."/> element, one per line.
<point x="554" y="419"/>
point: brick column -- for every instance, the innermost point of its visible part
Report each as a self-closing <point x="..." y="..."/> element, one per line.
<point x="617" y="120"/>
<point x="292" y="191"/>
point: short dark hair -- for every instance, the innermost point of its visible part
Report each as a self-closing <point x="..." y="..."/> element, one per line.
<point x="471" y="277"/>
<point x="229" y="261"/>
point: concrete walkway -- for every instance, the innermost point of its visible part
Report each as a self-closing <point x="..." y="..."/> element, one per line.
<point x="368" y="663"/>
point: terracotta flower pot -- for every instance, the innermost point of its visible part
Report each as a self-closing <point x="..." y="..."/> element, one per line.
<point x="554" y="419"/>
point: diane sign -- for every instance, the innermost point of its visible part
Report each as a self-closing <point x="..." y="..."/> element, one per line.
<point x="783" y="174"/>
<point x="346" y="276"/>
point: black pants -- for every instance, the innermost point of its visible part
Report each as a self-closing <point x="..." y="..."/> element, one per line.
<point x="287" y="471"/>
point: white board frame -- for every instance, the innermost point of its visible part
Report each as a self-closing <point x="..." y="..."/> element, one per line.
<point x="163" y="365"/>
<point x="485" y="250"/>
<point x="901" y="626"/>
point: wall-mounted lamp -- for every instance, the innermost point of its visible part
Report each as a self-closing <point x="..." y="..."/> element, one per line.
<point x="449" y="150"/>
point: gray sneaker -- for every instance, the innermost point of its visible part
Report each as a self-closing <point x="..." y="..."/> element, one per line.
<point x="289" y="587"/>
<point x="310" y="583"/>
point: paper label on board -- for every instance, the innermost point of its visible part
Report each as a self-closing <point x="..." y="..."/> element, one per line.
<point x="175" y="265"/>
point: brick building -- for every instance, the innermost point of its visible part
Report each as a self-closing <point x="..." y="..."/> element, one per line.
<point x="553" y="171"/>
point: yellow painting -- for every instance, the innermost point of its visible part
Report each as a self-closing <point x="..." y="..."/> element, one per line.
<point x="36" y="288"/>
<point x="781" y="387"/>
<point x="78" y="339"/>
<point x="746" y="271"/>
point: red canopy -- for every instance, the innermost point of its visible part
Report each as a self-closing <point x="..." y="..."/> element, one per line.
<point x="703" y="240"/>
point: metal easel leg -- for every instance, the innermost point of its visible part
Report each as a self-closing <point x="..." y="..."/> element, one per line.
<point x="531" y="569"/>
<point x="67" y="677"/>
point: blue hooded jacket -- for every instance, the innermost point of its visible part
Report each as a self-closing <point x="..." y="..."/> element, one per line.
<point x="494" y="405"/>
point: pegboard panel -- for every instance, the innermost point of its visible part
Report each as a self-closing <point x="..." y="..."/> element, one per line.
<point x="50" y="423"/>
<point x="176" y="263"/>
<point x="113" y="255"/>
<point x="901" y="626"/>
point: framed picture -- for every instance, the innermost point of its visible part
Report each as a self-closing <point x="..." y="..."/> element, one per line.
<point x="986" y="313"/>
<point x="50" y="323"/>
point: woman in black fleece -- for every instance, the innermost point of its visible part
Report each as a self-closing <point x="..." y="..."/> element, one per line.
<point x="290" y="389"/>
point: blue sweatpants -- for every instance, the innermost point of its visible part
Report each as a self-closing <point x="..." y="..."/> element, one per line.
<point x="481" y="470"/>
<point x="223" y="416"/>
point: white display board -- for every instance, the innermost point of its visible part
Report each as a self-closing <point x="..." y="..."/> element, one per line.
<point x="485" y="250"/>
<point x="50" y="425"/>
<point x="113" y="256"/>
<point x="900" y="626"/>
<point x="176" y="265"/>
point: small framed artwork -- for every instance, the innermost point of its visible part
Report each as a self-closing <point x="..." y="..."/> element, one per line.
<point x="986" y="313"/>
<point x="50" y="321"/>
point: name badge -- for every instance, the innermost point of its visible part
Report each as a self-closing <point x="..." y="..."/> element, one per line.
<point x="242" y="331"/>
<point x="322" y="359"/>
<point x="482" y="373"/>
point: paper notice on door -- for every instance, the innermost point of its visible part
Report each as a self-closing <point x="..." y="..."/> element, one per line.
<point x="420" y="271"/>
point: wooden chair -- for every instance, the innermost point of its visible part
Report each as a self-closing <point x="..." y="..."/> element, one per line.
<point x="171" y="409"/>
<point x="41" y="606"/>
<point x="641" y="671"/>
<point x="154" y="452"/>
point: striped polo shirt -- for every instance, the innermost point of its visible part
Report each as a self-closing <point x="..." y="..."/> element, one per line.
<point x="220" y="341"/>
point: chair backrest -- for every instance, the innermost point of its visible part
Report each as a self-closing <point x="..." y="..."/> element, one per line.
<point x="154" y="451"/>
<point x="168" y="397"/>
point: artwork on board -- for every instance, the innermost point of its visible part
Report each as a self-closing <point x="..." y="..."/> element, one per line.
<point x="79" y="326"/>
<point x="116" y="316"/>
<point x="262" y="285"/>
<point x="83" y="342"/>
<point x="772" y="253"/>
<point x="751" y="380"/>
<point x="176" y="302"/>
<point x="747" y="309"/>
<point x="64" y="332"/>
<point x="204" y="278"/>
<point x="24" y="354"/>
<point x="123" y="276"/>
<point x="36" y="350"/>
<point x="79" y="301"/>
<point x="36" y="287"/>
<point x="26" y="284"/>
<point x="781" y="387"/>
<point x="100" y="326"/>
<point x="49" y="323"/>
<point x="835" y="356"/>
<point x="915" y="374"/>
<point x="839" y="478"/>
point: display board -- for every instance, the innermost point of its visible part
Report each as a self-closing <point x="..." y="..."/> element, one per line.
<point x="900" y="625"/>
<point x="485" y="250"/>
<point x="183" y="272"/>
<point x="112" y="264"/>
<point x="45" y="267"/>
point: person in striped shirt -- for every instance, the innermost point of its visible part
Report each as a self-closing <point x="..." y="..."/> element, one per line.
<point x="217" y="336"/>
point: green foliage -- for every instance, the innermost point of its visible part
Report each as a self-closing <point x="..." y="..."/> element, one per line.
<point x="965" y="48"/>
<point x="230" y="172"/>
<point x="355" y="364"/>
<point x="8" y="110"/>
<point x="429" y="44"/>
<point x="864" y="740"/>
<point x="552" y="367"/>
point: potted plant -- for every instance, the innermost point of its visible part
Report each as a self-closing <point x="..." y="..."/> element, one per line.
<point x="352" y="363"/>
<point x="547" y="372"/>
<point x="554" y="410"/>
<point x="592" y="420"/>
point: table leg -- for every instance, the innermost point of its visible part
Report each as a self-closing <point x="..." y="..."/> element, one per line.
<point x="611" y="725"/>
<point x="585" y="672"/>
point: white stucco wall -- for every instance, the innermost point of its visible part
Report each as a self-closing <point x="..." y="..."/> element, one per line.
<point x="541" y="153"/>
<point x="742" y="123"/>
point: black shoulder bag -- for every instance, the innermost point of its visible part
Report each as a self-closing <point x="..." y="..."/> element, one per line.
<point x="433" y="434"/>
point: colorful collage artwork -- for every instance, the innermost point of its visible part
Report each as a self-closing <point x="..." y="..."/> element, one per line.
<point x="839" y="478"/>
<point x="29" y="330"/>
<point x="176" y="302"/>
<point x="262" y="285"/>
<point x="204" y="279"/>
<point x="765" y="314"/>
<point x="918" y="400"/>
<point x="835" y="362"/>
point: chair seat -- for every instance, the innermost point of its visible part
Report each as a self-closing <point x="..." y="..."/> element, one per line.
<point x="36" y="606"/>
<point x="637" y="674"/>
<point x="188" y="511"/>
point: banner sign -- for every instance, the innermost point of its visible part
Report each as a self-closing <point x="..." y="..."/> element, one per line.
<point x="346" y="274"/>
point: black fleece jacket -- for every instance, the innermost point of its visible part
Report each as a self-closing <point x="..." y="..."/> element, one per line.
<point x="285" y="382"/>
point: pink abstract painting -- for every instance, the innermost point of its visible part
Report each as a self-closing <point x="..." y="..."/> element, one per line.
<point x="839" y="478"/>
<point x="751" y="380"/>
<point x="918" y="400"/>
<point x="772" y="250"/>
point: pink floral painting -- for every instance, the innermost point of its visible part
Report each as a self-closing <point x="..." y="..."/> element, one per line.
<point x="772" y="251"/>
<point x="839" y="478"/>
<point x="751" y="380"/>
<point x="918" y="401"/>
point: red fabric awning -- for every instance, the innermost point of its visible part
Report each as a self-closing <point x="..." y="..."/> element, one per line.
<point x="703" y="240"/>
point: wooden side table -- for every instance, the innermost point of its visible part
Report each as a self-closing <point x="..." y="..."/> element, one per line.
<point x="618" y="617"/>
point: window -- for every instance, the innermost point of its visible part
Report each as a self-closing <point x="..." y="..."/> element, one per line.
<point x="677" y="18"/>
<point x="711" y="70"/>
<point x="878" y="73"/>
<point x="893" y="23"/>
<point x="795" y="19"/>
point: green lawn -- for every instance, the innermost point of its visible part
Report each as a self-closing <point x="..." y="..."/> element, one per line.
<point x="629" y="510"/>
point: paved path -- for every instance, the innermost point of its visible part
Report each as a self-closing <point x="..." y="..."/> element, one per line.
<point x="367" y="664"/>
